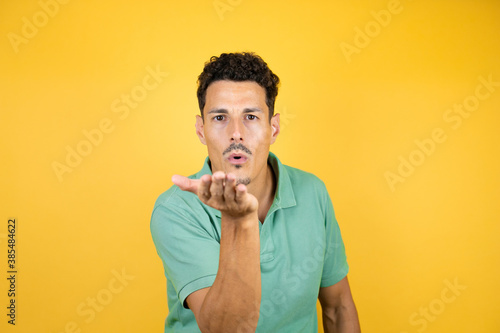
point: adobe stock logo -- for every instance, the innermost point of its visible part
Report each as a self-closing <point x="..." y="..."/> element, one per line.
<point x="371" y="30"/>
<point x="291" y="280"/>
<point x="428" y="146"/>
<point x="223" y="6"/>
<point x="95" y="136"/>
<point x="29" y="29"/>
<point x="92" y="306"/>
<point x="286" y="117"/>
<point x="430" y="312"/>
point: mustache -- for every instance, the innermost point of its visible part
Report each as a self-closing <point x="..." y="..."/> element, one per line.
<point x="238" y="146"/>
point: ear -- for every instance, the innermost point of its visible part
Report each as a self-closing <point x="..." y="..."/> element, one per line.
<point x="200" y="130"/>
<point x="275" y="127"/>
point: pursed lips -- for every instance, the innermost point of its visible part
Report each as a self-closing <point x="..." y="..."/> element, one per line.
<point x="240" y="156"/>
<point x="237" y="158"/>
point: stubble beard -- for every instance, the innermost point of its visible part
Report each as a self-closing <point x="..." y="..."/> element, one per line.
<point x="244" y="181"/>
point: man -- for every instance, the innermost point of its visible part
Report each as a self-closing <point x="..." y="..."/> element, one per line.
<point x="249" y="244"/>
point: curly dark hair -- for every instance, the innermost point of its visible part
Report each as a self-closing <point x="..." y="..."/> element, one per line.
<point x="244" y="66"/>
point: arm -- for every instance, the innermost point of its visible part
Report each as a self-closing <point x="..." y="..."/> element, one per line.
<point x="339" y="311"/>
<point x="232" y="302"/>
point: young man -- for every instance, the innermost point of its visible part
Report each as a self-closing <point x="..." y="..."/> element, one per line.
<point x="249" y="244"/>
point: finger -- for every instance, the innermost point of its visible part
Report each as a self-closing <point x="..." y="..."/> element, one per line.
<point x="241" y="191"/>
<point x="217" y="188"/>
<point x="204" y="188"/>
<point x="186" y="184"/>
<point x="229" y="188"/>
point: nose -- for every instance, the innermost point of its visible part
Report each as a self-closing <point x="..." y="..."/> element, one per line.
<point x="236" y="131"/>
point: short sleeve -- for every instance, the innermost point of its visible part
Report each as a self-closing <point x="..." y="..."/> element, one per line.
<point x="190" y="253"/>
<point x="335" y="267"/>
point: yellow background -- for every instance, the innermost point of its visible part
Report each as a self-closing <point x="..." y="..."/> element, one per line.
<point x="348" y="119"/>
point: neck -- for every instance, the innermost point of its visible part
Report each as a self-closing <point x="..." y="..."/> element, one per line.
<point x="264" y="192"/>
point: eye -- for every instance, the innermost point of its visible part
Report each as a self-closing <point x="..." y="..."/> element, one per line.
<point x="219" y="118"/>
<point x="251" y="117"/>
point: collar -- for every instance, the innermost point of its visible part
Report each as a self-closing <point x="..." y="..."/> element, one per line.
<point x="284" y="196"/>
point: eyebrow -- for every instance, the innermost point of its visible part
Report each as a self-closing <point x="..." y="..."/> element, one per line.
<point x="224" y="111"/>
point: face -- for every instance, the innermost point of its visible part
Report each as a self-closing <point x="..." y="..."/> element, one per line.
<point x="236" y="129"/>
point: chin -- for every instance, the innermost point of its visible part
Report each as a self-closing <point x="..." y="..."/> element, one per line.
<point x="244" y="181"/>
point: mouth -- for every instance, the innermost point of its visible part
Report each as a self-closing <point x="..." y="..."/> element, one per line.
<point x="237" y="159"/>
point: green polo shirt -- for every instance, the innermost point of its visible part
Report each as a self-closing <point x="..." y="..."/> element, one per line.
<point x="301" y="250"/>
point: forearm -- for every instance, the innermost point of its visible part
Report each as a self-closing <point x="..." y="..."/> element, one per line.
<point x="233" y="301"/>
<point x="343" y="319"/>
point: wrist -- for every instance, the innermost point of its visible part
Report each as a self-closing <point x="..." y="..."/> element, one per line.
<point x="240" y="221"/>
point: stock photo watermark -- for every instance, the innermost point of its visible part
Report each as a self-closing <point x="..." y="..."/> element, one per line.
<point x="31" y="26"/>
<point x="291" y="280"/>
<point x="454" y="117"/>
<point x="430" y="312"/>
<point x="223" y="6"/>
<point x="286" y="117"/>
<point x="94" y="137"/>
<point x="12" y="270"/>
<point x="371" y="30"/>
<point x="92" y="305"/>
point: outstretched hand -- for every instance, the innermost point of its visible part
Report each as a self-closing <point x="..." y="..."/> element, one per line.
<point x="220" y="191"/>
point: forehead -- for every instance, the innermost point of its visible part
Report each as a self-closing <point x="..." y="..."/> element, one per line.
<point x="235" y="95"/>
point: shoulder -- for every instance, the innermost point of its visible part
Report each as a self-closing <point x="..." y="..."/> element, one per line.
<point x="303" y="179"/>
<point x="178" y="216"/>
<point x="175" y="203"/>
<point x="171" y="196"/>
<point x="175" y="198"/>
<point x="308" y="190"/>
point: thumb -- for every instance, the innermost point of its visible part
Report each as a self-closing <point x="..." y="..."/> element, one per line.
<point x="186" y="184"/>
